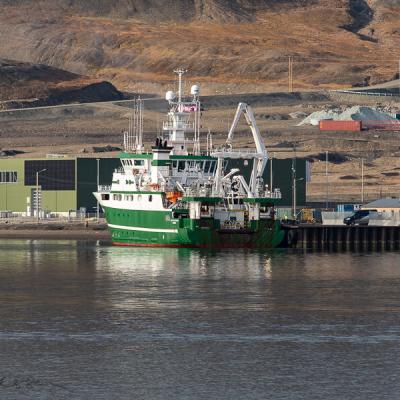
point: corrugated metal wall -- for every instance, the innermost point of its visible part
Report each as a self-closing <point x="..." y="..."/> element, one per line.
<point x="87" y="179"/>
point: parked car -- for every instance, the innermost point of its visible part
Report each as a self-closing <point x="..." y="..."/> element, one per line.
<point x="360" y="217"/>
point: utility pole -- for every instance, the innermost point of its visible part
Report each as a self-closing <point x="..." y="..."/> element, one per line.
<point x="290" y="74"/>
<point x="98" y="184"/>
<point x="326" y="180"/>
<point x="271" y="179"/>
<point x="294" y="205"/>
<point x="362" y="180"/>
<point x="37" y="193"/>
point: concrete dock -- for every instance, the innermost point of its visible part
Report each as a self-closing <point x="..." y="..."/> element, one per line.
<point x="342" y="237"/>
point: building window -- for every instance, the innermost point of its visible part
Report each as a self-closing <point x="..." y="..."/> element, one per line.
<point x="8" y="176"/>
<point x="138" y="163"/>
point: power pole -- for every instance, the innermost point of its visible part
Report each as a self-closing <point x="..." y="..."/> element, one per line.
<point x="98" y="183"/>
<point x="326" y="180"/>
<point x="271" y="180"/>
<point x="294" y="179"/>
<point x="290" y="74"/>
<point x="362" y="180"/>
<point x="37" y="196"/>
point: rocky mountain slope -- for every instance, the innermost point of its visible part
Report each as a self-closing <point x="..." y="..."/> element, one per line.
<point x="27" y="85"/>
<point x="232" y="45"/>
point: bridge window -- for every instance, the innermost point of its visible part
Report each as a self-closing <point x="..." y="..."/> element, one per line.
<point x="181" y="166"/>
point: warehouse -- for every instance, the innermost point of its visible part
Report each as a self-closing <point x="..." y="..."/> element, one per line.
<point x="61" y="185"/>
<point x="64" y="184"/>
<point x="388" y="205"/>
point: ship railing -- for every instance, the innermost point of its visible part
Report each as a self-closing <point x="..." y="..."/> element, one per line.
<point x="169" y="126"/>
<point x="276" y="194"/>
<point x="104" y="188"/>
<point x="237" y="153"/>
<point x="119" y="171"/>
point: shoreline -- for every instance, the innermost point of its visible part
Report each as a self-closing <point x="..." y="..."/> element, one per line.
<point x="54" y="235"/>
<point x="54" y="231"/>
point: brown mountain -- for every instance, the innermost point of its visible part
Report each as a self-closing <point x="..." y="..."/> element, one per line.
<point x="26" y="84"/>
<point x="233" y="45"/>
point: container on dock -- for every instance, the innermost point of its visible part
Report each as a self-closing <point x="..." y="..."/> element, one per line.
<point x="347" y="207"/>
<point x="307" y="216"/>
<point x="348" y="126"/>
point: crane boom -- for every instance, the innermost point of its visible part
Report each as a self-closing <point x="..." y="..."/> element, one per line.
<point x="245" y="109"/>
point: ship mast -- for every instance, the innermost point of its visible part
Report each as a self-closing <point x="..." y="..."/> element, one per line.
<point x="180" y="72"/>
<point x="133" y="138"/>
<point x="183" y="117"/>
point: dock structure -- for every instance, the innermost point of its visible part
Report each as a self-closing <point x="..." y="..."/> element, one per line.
<point x="338" y="237"/>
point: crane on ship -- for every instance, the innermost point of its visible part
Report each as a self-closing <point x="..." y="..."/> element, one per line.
<point x="260" y="156"/>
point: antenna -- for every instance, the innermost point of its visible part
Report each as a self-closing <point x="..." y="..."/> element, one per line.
<point x="133" y="139"/>
<point x="180" y="72"/>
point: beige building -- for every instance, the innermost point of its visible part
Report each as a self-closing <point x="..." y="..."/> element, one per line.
<point x="383" y="206"/>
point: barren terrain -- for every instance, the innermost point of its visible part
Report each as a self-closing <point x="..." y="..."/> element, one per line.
<point x="77" y="50"/>
<point x="25" y="84"/>
<point x="233" y="46"/>
<point x="75" y="129"/>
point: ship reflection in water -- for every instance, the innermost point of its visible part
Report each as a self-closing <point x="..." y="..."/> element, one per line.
<point x="84" y="320"/>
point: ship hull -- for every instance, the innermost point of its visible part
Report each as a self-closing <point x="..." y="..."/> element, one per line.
<point x="157" y="229"/>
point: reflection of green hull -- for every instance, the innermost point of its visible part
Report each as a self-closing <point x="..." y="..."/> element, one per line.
<point x="155" y="228"/>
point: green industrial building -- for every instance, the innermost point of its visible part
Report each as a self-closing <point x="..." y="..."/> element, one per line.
<point x="66" y="183"/>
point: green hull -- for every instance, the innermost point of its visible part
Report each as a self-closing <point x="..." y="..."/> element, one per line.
<point x="157" y="229"/>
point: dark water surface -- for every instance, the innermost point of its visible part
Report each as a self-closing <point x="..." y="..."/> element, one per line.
<point x="80" y="320"/>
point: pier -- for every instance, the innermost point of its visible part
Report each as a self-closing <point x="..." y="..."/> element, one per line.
<point x="326" y="237"/>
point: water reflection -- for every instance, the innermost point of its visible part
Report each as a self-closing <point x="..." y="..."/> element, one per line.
<point x="173" y="261"/>
<point x="85" y="320"/>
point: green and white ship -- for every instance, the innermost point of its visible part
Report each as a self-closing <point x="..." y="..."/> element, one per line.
<point x="178" y="196"/>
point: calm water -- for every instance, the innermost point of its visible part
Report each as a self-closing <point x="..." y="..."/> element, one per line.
<point x="80" y="320"/>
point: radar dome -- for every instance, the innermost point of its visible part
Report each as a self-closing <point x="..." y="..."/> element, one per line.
<point x="170" y="95"/>
<point x="195" y="90"/>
